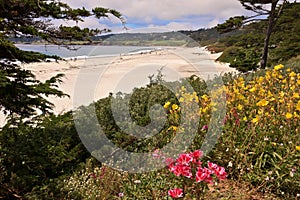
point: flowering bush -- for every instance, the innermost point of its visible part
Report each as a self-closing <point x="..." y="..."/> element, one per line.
<point x="261" y="130"/>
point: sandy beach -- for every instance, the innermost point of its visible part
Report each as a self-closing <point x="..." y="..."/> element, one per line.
<point x="89" y="79"/>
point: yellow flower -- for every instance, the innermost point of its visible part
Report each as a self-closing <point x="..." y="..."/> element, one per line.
<point x="240" y="107"/>
<point x="253" y="89"/>
<point x="270" y="94"/>
<point x="298" y="148"/>
<point x="204" y="110"/>
<point x="292" y="87"/>
<point x="167" y="104"/>
<point x="262" y="103"/>
<point x="174" y="128"/>
<point x="288" y="115"/>
<point x="205" y="97"/>
<point x="296" y="95"/>
<point x="255" y="120"/>
<point x="278" y="67"/>
<point x="181" y="99"/>
<point x="298" y="106"/>
<point x="183" y="89"/>
<point x="245" y="119"/>
<point x="293" y="74"/>
<point x="260" y="79"/>
<point x="281" y="94"/>
<point x="175" y="107"/>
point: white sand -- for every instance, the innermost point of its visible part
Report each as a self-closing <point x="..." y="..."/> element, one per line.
<point x="96" y="77"/>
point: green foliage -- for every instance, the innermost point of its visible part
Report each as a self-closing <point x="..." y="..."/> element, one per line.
<point x="21" y="93"/>
<point x="32" y="157"/>
<point x="21" y="99"/>
<point x="242" y="59"/>
<point x="231" y="24"/>
<point x="284" y="43"/>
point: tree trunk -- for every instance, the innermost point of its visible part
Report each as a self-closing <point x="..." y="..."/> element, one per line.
<point x="264" y="58"/>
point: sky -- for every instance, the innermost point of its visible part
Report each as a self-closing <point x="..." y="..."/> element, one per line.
<point x="171" y="15"/>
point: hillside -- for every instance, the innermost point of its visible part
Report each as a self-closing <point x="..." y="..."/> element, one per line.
<point x="243" y="50"/>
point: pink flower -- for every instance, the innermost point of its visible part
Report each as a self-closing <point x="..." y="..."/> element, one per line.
<point x="197" y="154"/>
<point x="203" y="174"/>
<point x="212" y="166"/>
<point x="196" y="157"/>
<point x="121" y="194"/>
<point x="220" y="173"/>
<point x="179" y="169"/>
<point x="176" y="193"/>
<point x="184" y="159"/>
<point x="205" y="127"/>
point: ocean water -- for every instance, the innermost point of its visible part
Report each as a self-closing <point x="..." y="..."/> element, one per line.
<point x="84" y="50"/>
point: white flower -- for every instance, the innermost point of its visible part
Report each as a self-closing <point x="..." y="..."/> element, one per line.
<point x="230" y="164"/>
<point x="270" y="172"/>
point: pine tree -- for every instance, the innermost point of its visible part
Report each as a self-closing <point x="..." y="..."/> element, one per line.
<point x="258" y="7"/>
<point x="21" y="94"/>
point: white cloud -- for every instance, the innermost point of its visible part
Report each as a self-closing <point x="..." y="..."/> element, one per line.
<point x="174" y="9"/>
<point x="173" y="14"/>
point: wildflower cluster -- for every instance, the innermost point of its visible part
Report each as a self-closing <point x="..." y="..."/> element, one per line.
<point x="93" y="184"/>
<point x="196" y="107"/>
<point x="189" y="165"/>
<point x="275" y="93"/>
<point x="261" y="129"/>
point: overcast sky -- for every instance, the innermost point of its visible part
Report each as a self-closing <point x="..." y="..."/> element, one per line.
<point x="165" y="14"/>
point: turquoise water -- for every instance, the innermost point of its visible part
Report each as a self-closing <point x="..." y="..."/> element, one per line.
<point x="83" y="50"/>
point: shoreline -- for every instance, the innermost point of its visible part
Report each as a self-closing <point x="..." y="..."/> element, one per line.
<point x="124" y="71"/>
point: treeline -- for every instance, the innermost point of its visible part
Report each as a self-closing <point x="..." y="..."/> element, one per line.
<point x="243" y="48"/>
<point x="146" y="39"/>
